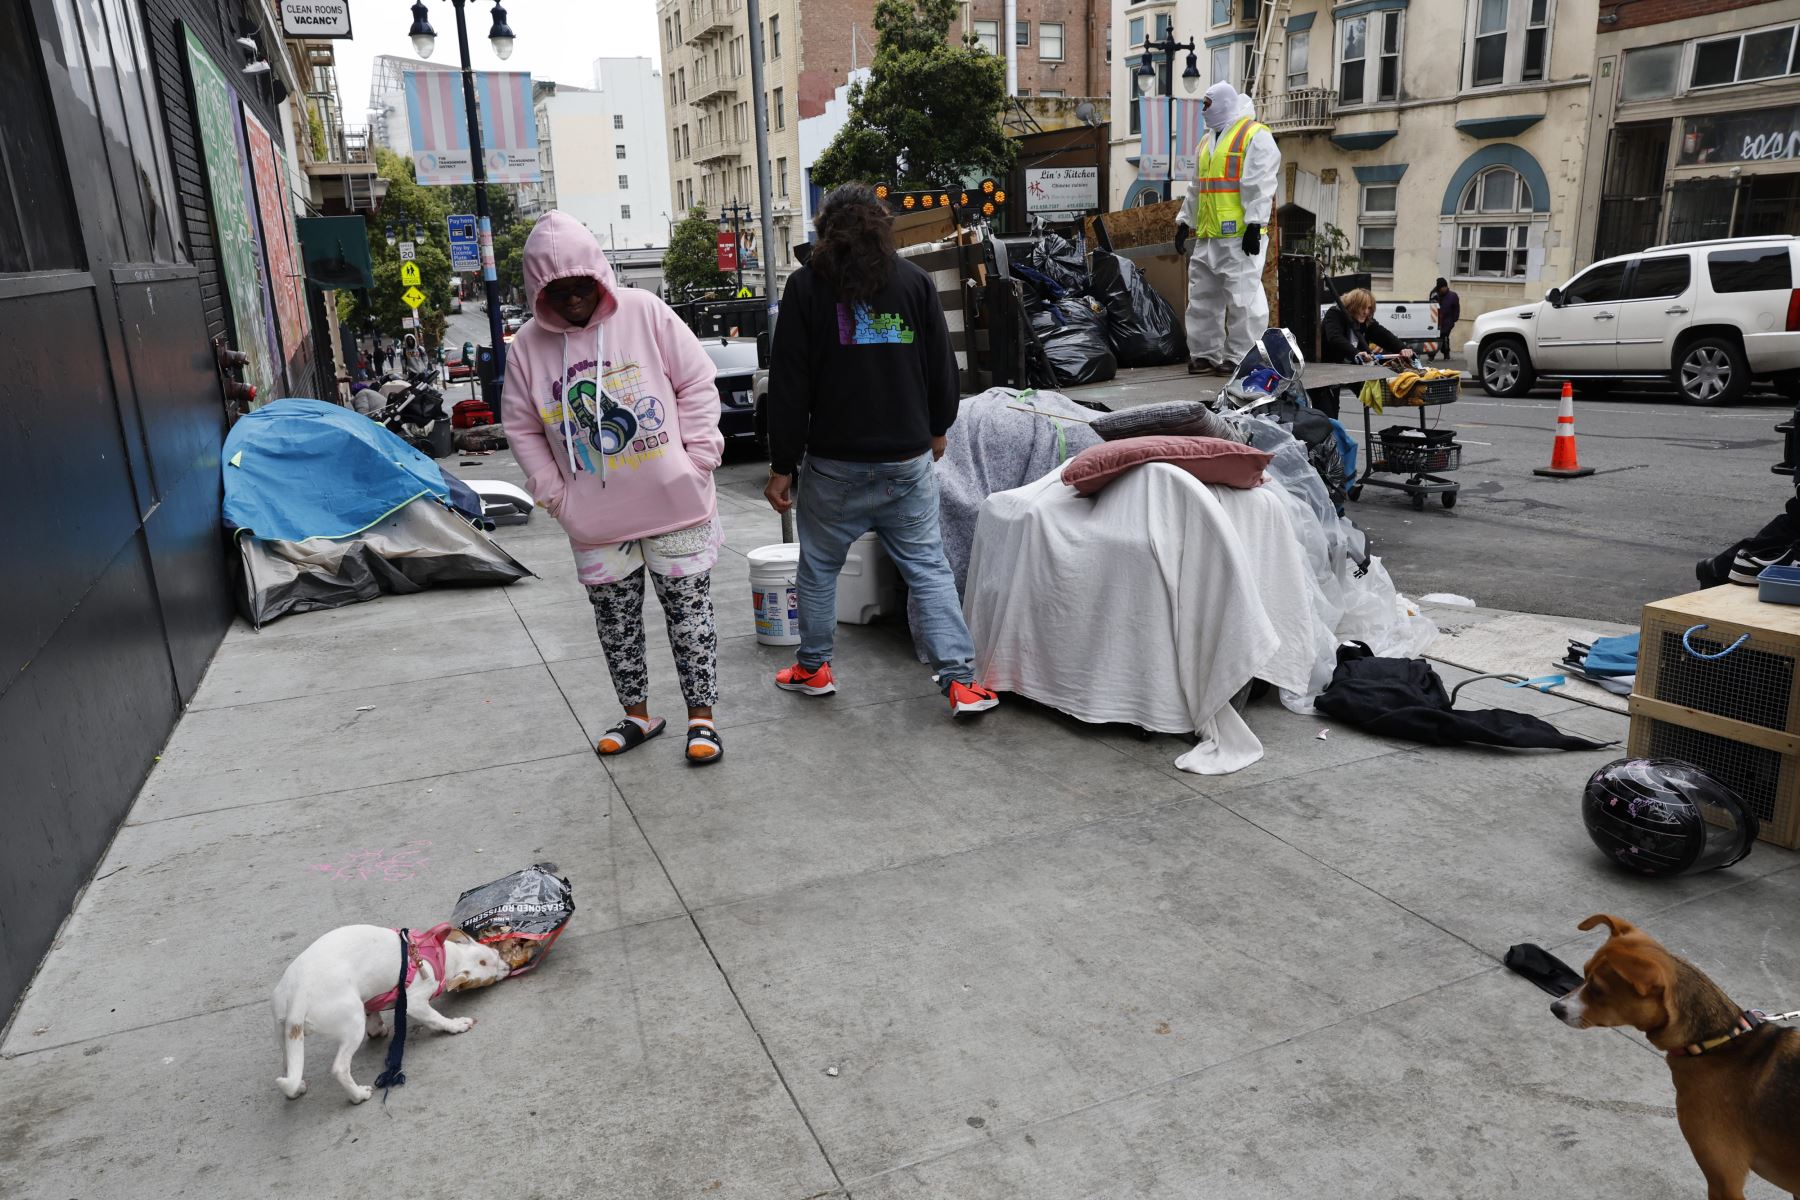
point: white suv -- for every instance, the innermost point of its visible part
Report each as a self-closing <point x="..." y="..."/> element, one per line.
<point x="1706" y="316"/>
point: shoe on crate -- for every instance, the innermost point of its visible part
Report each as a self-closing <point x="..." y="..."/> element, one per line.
<point x="970" y="699"/>
<point x="1746" y="565"/>
<point x="808" y="683"/>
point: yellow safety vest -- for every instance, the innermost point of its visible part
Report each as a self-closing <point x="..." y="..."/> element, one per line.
<point x="1218" y="209"/>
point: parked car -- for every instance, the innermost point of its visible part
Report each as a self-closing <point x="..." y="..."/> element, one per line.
<point x="1708" y="317"/>
<point x="456" y="303"/>
<point x="736" y="364"/>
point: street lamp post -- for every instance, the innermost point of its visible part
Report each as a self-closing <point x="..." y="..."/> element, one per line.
<point x="500" y="36"/>
<point x="1168" y="47"/>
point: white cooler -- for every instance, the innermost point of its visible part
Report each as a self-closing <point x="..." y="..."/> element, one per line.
<point x="869" y="585"/>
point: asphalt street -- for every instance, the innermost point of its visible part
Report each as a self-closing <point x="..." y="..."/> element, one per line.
<point x="1671" y="485"/>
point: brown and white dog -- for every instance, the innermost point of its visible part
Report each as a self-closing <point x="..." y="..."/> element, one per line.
<point x="1737" y="1079"/>
<point x="334" y="984"/>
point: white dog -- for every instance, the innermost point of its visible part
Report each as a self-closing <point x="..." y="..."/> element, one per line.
<point x="343" y="985"/>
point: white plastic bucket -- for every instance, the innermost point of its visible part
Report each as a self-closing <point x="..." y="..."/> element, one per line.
<point x="777" y="600"/>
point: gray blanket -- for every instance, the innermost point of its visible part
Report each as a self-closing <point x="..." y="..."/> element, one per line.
<point x="994" y="447"/>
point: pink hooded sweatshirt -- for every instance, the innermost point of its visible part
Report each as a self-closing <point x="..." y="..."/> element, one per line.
<point x="557" y="403"/>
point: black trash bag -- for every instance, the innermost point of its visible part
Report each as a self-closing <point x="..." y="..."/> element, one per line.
<point x="520" y="916"/>
<point x="1072" y="332"/>
<point x="1143" y="328"/>
<point x="1062" y="260"/>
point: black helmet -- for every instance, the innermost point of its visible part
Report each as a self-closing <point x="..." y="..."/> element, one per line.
<point x="1661" y="816"/>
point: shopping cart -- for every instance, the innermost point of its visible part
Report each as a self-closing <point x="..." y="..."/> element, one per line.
<point x="1422" y="456"/>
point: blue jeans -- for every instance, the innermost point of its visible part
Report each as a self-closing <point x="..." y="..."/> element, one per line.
<point x="841" y="501"/>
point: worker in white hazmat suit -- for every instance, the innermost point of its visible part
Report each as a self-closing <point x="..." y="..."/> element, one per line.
<point x="1227" y="206"/>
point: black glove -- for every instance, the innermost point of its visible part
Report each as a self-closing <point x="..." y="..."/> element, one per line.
<point x="1252" y="238"/>
<point x="1182" y="233"/>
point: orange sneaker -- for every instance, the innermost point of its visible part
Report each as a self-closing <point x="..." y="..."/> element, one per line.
<point x="970" y="699"/>
<point x="808" y="683"/>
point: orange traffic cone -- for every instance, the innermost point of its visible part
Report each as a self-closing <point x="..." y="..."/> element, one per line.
<point x="1563" y="463"/>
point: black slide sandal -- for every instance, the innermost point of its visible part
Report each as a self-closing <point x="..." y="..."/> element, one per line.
<point x="630" y="733"/>
<point x="710" y="735"/>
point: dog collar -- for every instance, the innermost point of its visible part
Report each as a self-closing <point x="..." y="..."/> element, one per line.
<point x="1748" y="1020"/>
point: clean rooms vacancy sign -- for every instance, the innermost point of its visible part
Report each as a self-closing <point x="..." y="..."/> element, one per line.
<point x="315" y="18"/>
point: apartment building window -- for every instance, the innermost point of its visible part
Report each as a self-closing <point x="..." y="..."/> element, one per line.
<point x="1492" y="223"/>
<point x="674" y="98"/>
<point x="687" y="147"/>
<point x="1299" y="47"/>
<point x="1511" y="42"/>
<point x="1024" y="91"/>
<point x="678" y="37"/>
<point x="681" y="78"/>
<point x="1109" y="45"/>
<point x="1134" y="33"/>
<point x="618" y="120"/>
<point x="668" y="34"/>
<point x="1375" y="227"/>
<point x="1164" y="24"/>
<point x="618" y="149"/>
<point x="1765" y="54"/>
<point x="675" y="143"/>
<point x="1369" y="58"/>
<point x="1221" y="12"/>
<point x="1021" y="33"/>
<point x="987" y="35"/>
<point x="774" y="37"/>
<point x="1050" y="41"/>
<point x="780" y="110"/>
<point x="1052" y="93"/>
<point x="1219" y="62"/>
<point x="781" y="176"/>
<point x="624" y="183"/>
<point x="624" y="212"/>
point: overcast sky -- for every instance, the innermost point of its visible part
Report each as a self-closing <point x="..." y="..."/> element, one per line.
<point x="554" y="39"/>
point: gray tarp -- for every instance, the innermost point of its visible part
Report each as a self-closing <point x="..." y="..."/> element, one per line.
<point x="422" y="545"/>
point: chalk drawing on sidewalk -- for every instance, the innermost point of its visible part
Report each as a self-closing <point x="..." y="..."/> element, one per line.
<point x="381" y="865"/>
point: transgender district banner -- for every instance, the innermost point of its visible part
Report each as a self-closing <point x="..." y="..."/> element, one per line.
<point x="1169" y="126"/>
<point x="440" y="127"/>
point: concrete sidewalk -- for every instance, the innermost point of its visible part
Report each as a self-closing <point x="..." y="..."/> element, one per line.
<point x="869" y="955"/>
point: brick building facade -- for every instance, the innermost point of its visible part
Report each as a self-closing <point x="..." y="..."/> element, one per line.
<point x="1061" y="43"/>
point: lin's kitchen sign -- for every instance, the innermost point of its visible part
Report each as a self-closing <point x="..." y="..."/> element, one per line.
<point x="1061" y="189"/>
<point x="315" y="18"/>
<point x="1764" y="135"/>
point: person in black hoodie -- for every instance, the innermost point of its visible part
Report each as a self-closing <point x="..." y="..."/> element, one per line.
<point x="862" y="390"/>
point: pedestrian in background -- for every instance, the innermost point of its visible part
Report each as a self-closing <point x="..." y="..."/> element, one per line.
<point x="862" y="384"/>
<point x="1446" y="311"/>
<point x="611" y="410"/>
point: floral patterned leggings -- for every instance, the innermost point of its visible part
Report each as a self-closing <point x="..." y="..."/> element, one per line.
<point x="688" y="609"/>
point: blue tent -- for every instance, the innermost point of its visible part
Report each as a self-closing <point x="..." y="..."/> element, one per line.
<point x="298" y="469"/>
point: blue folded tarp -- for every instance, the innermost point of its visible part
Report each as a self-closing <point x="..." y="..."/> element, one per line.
<point x="1613" y="656"/>
<point x="297" y="469"/>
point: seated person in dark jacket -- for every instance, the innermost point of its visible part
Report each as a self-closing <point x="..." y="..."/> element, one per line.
<point x="1351" y="334"/>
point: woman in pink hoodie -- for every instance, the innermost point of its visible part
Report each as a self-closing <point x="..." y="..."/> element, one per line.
<point x="611" y="410"/>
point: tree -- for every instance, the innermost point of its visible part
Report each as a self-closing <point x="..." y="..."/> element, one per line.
<point x="929" y="114"/>
<point x="509" y="257"/>
<point x="408" y="204"/>
<point x="503" y="208"/>
<point x="692" y="263"/>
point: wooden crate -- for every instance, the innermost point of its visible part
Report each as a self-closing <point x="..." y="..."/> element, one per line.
<point x="1736" y="717"/>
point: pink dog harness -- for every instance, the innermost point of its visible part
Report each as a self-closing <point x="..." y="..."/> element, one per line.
<point x="422" y="949"/>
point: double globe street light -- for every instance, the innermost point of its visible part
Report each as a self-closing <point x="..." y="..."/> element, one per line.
<point x="1190" y="79"/>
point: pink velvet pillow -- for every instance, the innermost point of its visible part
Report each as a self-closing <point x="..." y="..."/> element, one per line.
<point x="1210" y="460"/>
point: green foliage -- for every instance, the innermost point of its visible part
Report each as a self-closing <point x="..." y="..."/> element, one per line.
<point x="316" y="128"/>
<point x="692" y="263"/>
<point x="930" y="113"/>
<point x="1331" y="246"/>
<point x="408" y="203"/>
<point x="509" y="257"/>
<point x="503" y="210"/>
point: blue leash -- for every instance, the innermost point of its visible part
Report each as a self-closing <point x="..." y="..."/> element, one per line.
<point x="393" y="1076"/>
<point x="1689" y="646"/>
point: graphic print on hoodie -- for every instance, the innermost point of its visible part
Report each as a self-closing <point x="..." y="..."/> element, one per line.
<point x="577" y="400"/>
